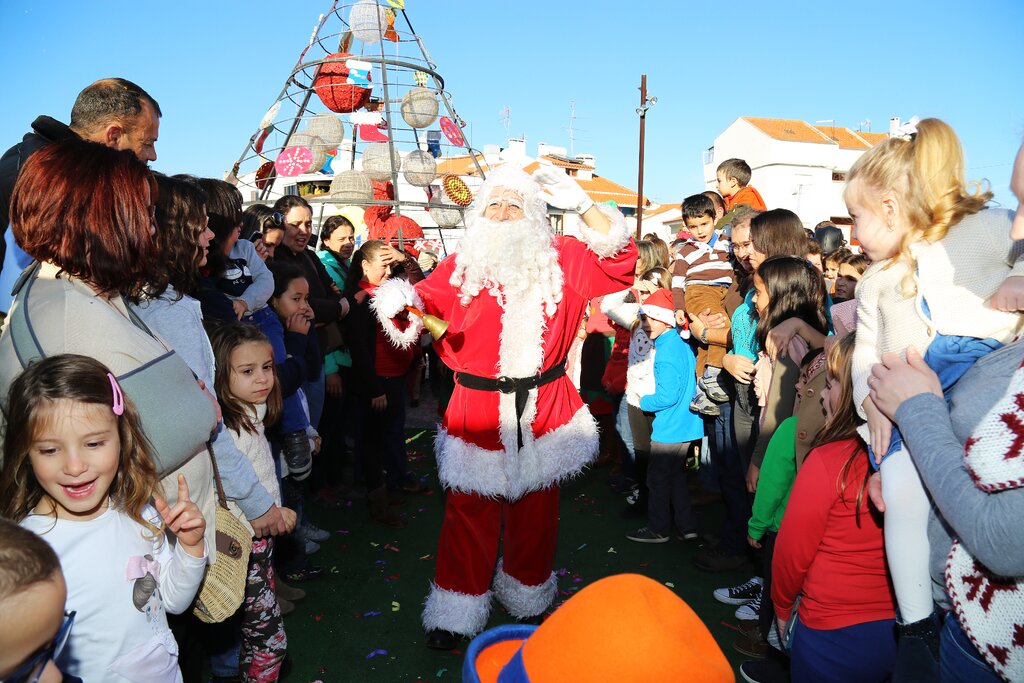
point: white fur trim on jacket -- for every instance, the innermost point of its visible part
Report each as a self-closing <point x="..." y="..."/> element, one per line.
<point x="608" y="244"/>
<point x="520" y="600"/>
<point x="388" y="300"/>
<point x="558" y="455"/>
<point x="456" y="612"/>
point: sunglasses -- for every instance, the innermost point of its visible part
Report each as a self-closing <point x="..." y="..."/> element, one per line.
<point x="32" y="669"/>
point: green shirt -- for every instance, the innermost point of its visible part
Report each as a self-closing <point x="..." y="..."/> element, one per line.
<point x="775" y="481"/>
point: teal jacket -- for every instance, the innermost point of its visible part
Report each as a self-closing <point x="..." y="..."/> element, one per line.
<point x="340" y="358"/>
<point x="675" y="383"/>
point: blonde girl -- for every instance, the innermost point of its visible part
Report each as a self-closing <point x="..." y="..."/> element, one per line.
<point x="78" y="471"/>
<point x="946" y="279"/>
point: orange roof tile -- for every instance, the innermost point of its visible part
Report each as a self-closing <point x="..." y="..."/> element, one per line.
<point x="601" y="189"/>
<point x="461" y="165"/>
<point x="801" y="131"/>
<point x="788" y="129"/>
<point x="660" y="210"/>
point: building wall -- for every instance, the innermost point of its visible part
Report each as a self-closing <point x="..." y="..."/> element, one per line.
<point x="793" y="175"/>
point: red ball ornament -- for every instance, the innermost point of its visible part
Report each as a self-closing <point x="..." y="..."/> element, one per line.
<point x="263" y="174"/>
<point x="335" y="88"/>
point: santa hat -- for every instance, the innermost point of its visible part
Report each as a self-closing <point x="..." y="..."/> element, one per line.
<point x="659" y="306"/>
<point x="622" y="628"/>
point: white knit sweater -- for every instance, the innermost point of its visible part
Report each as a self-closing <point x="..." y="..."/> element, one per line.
<point x="257" y="449"/>
<point x="957" y="275"/>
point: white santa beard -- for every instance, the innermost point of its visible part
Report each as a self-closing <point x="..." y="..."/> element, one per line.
<point x="508" y="259"/>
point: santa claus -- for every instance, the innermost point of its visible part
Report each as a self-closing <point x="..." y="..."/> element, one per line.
<point x="514" y="295"/>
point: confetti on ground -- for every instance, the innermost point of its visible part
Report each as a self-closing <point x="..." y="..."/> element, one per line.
<point x="582" y="547"/>
<point x="334" y="570"/>
<point x="318" y="617"/>
<point x="371" y="614"/>
<point x="342" y="532"/>
<point x="415" y="436"/>
<point x="670" y="584"/>
<point x="395" y="606"/>
<point x="427" y="557"/>
<point x="732" y="626"/>
<point x="388" y="546"/>
<point x="375" y="653"/>
<point x="440" y="672"/>
<point x="375" y="545"/>
<point x="613" y="551"/>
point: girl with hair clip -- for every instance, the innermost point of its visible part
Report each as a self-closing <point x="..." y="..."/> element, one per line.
<point x="250" y="398"/>
<point x="945" y="279"/>
<point x="829" y="573"/>
<point x="78" y="472"/>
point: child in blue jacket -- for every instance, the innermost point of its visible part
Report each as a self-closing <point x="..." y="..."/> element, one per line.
<point x="676" y="430"/>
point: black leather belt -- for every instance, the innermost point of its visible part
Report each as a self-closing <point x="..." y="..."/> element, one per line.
<point x="520" y="386"/>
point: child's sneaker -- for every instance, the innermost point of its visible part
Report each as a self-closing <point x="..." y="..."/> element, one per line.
<point x="709" y="384"/>
<point x="314" y="533"/>
<point x="645" y="535"/>
<point x="704" y="406"/>
<point x="741" y="594"/>
<point x="752" y="610"/>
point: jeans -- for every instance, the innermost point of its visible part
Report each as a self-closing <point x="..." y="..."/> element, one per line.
<point x="862" y="653"/>
<point x="959" y="660"/>
<point x="316" y="392"/>
<point x="731" y="479"/>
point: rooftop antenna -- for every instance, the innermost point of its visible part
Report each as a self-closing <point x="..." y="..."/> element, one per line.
<point x="506" y="119"/>
<point x="833" y="122"/>
<point x="864" y="126"/>
<point x="572" y="122"/>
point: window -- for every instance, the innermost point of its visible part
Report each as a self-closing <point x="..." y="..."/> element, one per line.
<point x="838" y="176"/>
<point x="709" y="155"/>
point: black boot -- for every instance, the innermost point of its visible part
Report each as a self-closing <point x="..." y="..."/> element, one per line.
<point x="442" y="640"/>
<point x="917" y="651"/>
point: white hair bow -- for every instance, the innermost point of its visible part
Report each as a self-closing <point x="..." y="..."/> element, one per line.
<point x="909" y="129"/>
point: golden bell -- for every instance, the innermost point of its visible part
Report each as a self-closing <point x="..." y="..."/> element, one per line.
<point x="434" y="325"/>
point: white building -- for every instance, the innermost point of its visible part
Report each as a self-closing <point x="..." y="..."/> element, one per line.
<point x="795" y="165"/>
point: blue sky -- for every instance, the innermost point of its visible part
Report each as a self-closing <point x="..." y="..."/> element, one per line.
<point x="216" y="66"/>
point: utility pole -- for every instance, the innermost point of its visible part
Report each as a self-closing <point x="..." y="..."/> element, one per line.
<point x="645" y="104"/>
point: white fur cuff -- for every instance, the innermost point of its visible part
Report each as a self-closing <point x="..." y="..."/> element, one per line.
<point x="456" y="612"/>
<point x="520" y="600"/>
<point x="609" y="244"/>
<point x="390" y="299"/>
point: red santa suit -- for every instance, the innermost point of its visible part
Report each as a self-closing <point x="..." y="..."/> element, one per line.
<point x="488" y="476"/>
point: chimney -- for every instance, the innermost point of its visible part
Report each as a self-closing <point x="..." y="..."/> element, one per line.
<point x="516" y="149"/>
<point x="894" y="124"/>
<point x="585" y="173"/>
<point x="544" y="149"/>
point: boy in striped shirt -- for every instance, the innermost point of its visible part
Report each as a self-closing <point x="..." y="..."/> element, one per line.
<point x="701" y="275"/>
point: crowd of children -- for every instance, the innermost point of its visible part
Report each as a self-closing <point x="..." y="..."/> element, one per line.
<point x="786" y="372"/>
<point x="792" y="336"/>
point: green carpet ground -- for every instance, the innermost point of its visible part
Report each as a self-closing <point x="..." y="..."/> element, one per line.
<point x="361" y="622"/>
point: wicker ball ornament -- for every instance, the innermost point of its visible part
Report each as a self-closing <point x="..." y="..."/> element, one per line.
<point x="332" y="87"/>
<point x="419" y="107"/>
<point x="443" y="210"/>
<point x="377" y="161"/>
<point x="419" y="168"/>
<point x="351" y="187"/>
<point x="368" y="21"/>
<point x="328" y="128"/>
<point x="315" y="145"/>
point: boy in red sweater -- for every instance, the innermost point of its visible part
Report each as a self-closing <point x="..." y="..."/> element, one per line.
<point x="734" y="185"/>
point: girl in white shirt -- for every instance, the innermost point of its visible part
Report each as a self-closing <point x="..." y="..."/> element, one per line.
<point x="79" y="473"/>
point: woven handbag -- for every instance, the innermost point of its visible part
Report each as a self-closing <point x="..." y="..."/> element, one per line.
<point x="223" y="587"/>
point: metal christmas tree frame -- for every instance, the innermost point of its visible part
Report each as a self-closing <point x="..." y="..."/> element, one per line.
<point x="363" y="59"/>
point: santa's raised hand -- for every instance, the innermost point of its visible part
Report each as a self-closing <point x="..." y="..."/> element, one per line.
<point x="562" y="191"/>
<point x="185" y="520"/>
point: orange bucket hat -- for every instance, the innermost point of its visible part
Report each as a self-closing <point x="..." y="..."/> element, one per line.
<point x="622" y="628"/>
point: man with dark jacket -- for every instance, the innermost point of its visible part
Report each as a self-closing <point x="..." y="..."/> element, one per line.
<point x="113" y="112"/>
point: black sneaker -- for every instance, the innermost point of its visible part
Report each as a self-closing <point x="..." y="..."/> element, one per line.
<point x="741" y="594"/>
<point x="751" y="611"/>
<point x="764" y="671"/>
<point x="646" y="535"/>
<point x="716" y="560"/>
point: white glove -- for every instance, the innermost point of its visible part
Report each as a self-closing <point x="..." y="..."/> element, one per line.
<point x="565" y="193"/>
<point x="392" y="297"/>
